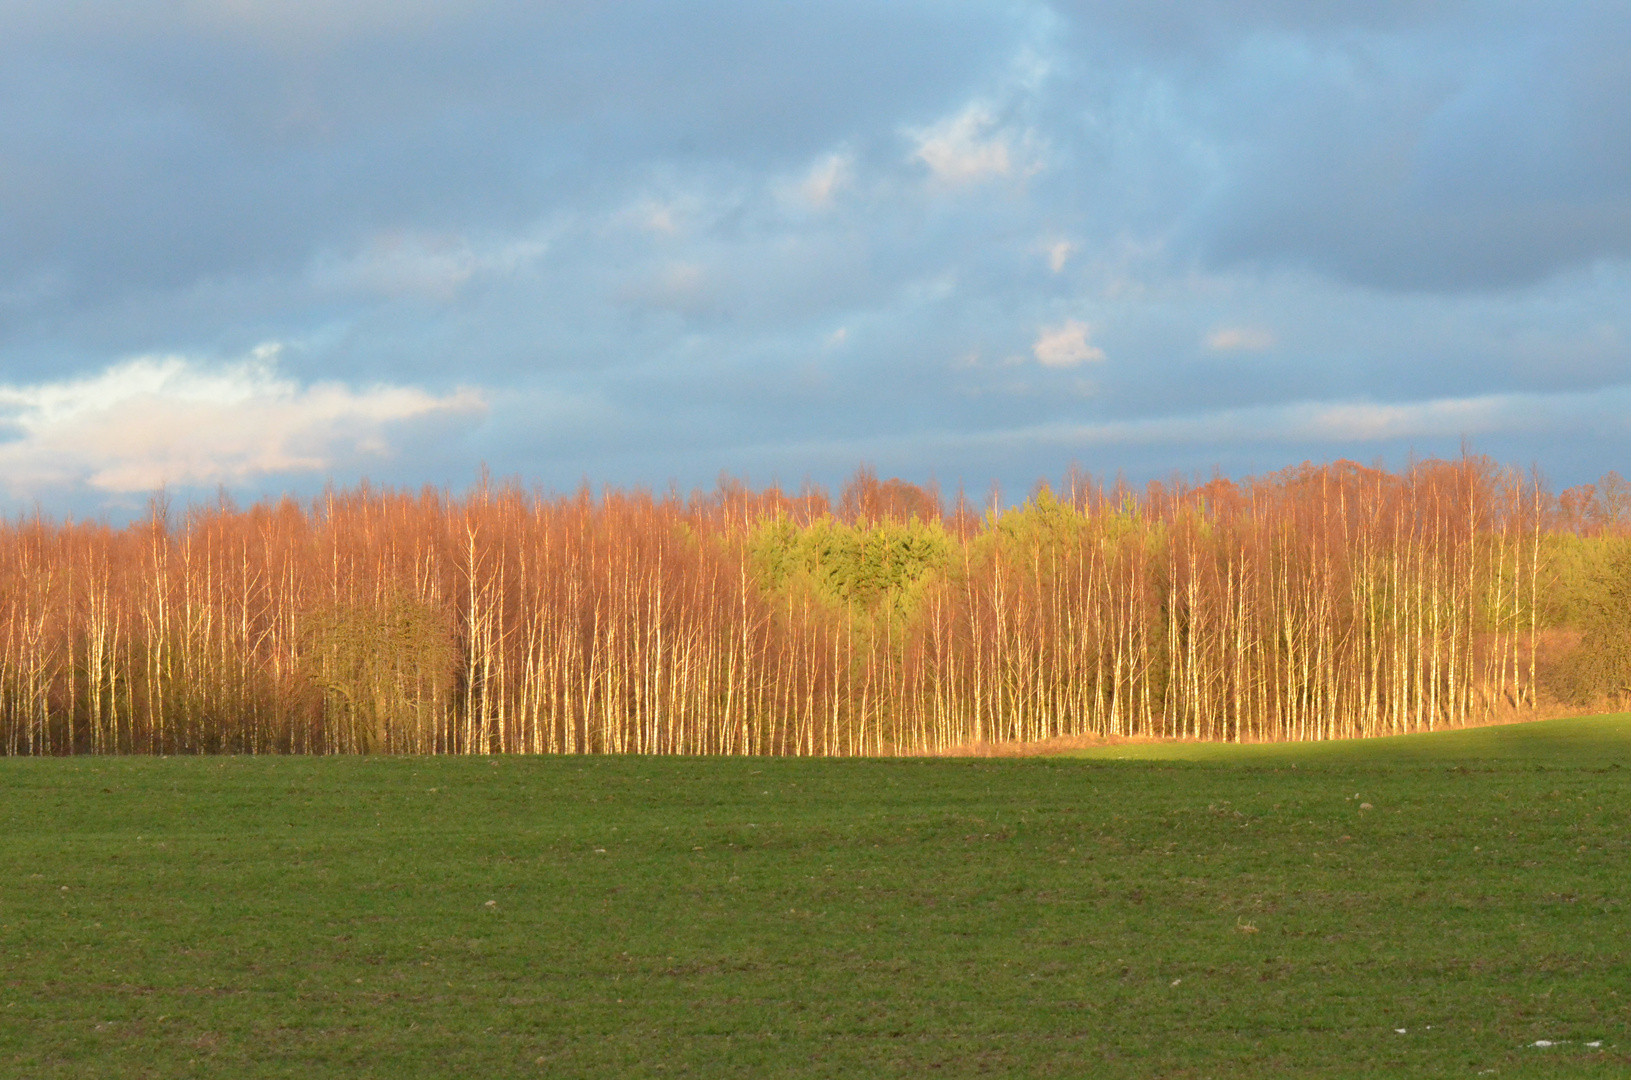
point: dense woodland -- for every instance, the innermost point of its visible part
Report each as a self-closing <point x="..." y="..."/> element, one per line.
<point x="1320" y="602"/>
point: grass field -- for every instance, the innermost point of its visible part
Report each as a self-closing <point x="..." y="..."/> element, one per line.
<point x="1429" y="906"/>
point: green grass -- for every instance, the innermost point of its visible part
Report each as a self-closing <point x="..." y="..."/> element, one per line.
<point x="1586" y="742"/>
<point x="1238" y="914"/>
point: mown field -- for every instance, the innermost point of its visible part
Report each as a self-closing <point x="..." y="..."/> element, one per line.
<point x="1424" y="906"/>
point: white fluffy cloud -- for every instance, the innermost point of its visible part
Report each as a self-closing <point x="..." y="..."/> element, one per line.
<point x="153" y="421"/>
<point x="971" y="146"/>
<point x="1065" y="345"/>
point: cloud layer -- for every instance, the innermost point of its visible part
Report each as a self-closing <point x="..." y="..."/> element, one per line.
<point x="663" y="240"/>
<point x="156" y="422"/>
<point x="1065" y="345"/>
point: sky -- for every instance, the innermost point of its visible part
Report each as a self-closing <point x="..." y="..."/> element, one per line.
<point x="264" y="245"/>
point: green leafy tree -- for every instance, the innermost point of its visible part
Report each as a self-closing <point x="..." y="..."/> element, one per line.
<point x="863" y="569"/>
<point x="382" y="666"/>
<point x="1599" y="602"/>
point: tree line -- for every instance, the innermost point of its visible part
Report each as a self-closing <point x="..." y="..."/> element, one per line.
<point x="1320" y="602"/>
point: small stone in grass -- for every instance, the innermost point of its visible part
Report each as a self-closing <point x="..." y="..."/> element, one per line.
<point x="1366" y="806"/>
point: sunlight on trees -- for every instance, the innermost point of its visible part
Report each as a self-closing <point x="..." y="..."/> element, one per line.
<point x="1316" y="603"/>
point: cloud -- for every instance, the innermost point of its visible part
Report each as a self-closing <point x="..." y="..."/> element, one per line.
<point x="825" y="178"/>
<point x="685" y="287"/>
<point x="319" y="18"/>
<point x="1432" y="200"/>
<point x="155" y="421"/>
<point x="1065" y="345"/>
<point x="1240" y="339"/>
<point x="1059" y="253"/>
<point x="969" y="147"/>
<point x="1474" y="153"/>
<point x="396" y="263"/>
<point x="669" y="217"/>
<point x="1332" y="424"/>
<point x="1167" y="27"/>
<point x="1338" y="422"/>
<point x="282" y="24"/>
